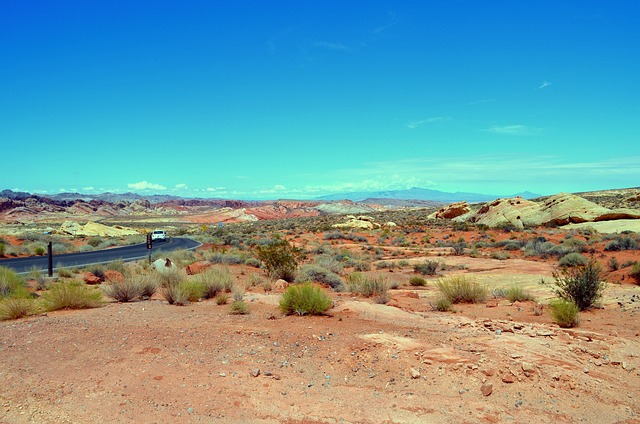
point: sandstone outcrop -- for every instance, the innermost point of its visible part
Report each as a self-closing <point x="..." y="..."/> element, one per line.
<point x="95" y="229"/>
<point x="451" y="211"/>
<point x="362" y="222"/>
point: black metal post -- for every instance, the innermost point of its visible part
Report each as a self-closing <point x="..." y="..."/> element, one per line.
<point x="50" y="253"/>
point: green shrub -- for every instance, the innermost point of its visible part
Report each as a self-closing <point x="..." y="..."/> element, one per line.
<point x="176" y="294"/>
<point x="36" y="274"/>
<point x="254" y="262"/>
<point x="613" y="264"/>
<point x="518" y="294"/>
<point x="572" y="260"/>
<point x="635" y="272"/>
<point x="316" y="273"/>
<point x="11" y="284"/>
<point x="621" y="243"/>
<point x="442" y="304"/>
<point x="330" y="263"/>
<point x="194" y="289"/>
<point x="17" y="308"/>
<point x="565" y="313"/>
<point x="124" y="291"/>
<point x="97" y="270"/>
<point x="426" y="268"/>
<point x="417" y="281"/>
<point x="280" y="258"/>
<point x="239" y="307"/>
<point x="580" y="284"/>
<point x="148" y="286"/>
<point x="459" y="289"/>
<point x="63" y="272"/>
<point x="303" y="299"/>
<point x="170" y="277"/>
<point x="366" y="285"/>
<point x="222" y="299"/>
<point x="2" y="249"/>
<point x="501" y="256"/>
<point x="71" y="295"/>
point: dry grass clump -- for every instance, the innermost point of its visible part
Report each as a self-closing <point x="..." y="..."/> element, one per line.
<point x="305" y="299"/>
<point x="71" y="294"/>
<point x="17" y="308"/>
<point x="239" y="307"/>
<point x="367" y="285"/>
<point x="11" y="284"/>
<point x="518" y="294"/>
<point x="215" y="280"/>
<point x="460" y="289"/>
<point x="565" y="313"/>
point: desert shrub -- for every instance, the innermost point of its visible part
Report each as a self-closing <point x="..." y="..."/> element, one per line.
<point x="222" y="298"/>
<point x="565" y="313"/>
<point x="215" y="280"/>
<point x="361" y="265"/>
<point x="239" y="307"/>
<point x="386" y="265"/>
<point x="458" y="248"/>
<point x="635" y="272"/>
<point x="330" y="263"/>
<point x="38" y="276"/>
<point x="442" y="304"/>
<point x="539" y="247"/>
<point x="227" y="258"/>
<point x="499" y="293"/>
<point x="309" y="273"/>
<point x="417" y="281"/>
<point x="117" y="265"/>
<point x="63" y="272"/>
<point x="572" y="259"/>
<point x="426" y="268"/>
<point x="11" y="284"/>
<point x="175" y="294"/>
<point x="94" y="241"/>
<point x="124" y="291"/>
<point x="17" y="308"/>
<point x="580" y="284"/>
<point x="71" y="294"/>
<point x="613" y="264"/>
<point x="194" y="289"/>
<point x="97" y="270"/>
<point x="2" y="249"/>
<point x="170" y="276"/>
<point x="518" y="294"/>
<point x="574" y="244"/>
<point x="366" y="285"/>
<point x="460" y="289"/>
<point x="280" y="258"/>
<point x="621" y="243"/>
<point x="501" y="256"/>
<point x="254" y="262"/>
<point x="513" y="245"/>
<point x="305" y="299"/>
<point x="148" y="285"/>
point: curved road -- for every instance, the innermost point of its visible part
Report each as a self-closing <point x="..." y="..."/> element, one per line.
<point x="127" y="253"/>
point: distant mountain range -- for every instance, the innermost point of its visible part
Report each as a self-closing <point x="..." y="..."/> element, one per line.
<point x="416" y="193"/>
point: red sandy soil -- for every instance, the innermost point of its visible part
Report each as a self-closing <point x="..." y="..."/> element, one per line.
<point x="151" y="362"/>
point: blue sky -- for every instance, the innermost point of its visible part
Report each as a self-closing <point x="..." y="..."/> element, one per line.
<point x="298" y="99"/>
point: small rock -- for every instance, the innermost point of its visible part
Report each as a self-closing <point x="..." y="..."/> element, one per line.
<point x="527" y="367"/>
<point x="487" y="388"/>
<point x="489" y="372"/>
<point x="415" y="373"/>
<point x="508" y="379"/>
<point x="255" y="372"/>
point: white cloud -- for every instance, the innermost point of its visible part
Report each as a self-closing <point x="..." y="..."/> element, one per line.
<point x="512" y="130"/>
<point x="279" y="187"/>
<point x="181" y="186"/>
<point x="544" y="84"/>
<point x="145" y="185"/>
<point x="212" y="189"/>
<point x="415" y="124"/>
<point x="88" y="188"/>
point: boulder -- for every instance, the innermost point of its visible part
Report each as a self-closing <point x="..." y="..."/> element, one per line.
<point x="165" y="264"/>
<point x="198" y="267"/>
<point x="451" y="211"/>
<point x="92" y="229"/>
<point x="113" y="276"/>
<point x="90" y="278"/>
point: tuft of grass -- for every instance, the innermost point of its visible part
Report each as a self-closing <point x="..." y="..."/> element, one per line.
<point x="71" y="295"/>
<point x="63" y="272"/>
<point x="124" y="291"/>
<point x="518" y="294"/>
<point x="215" y="280"/>
<point x="366" y="285"/>
<point x="417" y="281"/>
<point x="426" y="268"/>
<point x="148" y="286"/>
<point x="239" y="307"/>
<point x="11" y="284"/>
<point x="442" y="304"/>
<point x="17" y="308"/>
<point x="175" y="294"/>
<point x="565" y="313"/>
<point x="222" y="299"/>
<point x="171" y="277"/>
<point x="305" y="299"/>
<point x="460" y="289"/>
<point x="572" y="260"/>
<point x="635" y="272"/>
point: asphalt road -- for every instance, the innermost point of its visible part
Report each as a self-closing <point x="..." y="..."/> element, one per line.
<point x="127" y="253"/>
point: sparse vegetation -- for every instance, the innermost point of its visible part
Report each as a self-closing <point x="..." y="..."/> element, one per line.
<point x="124" y="291"/>
<point x="71" y="294"/>
<point x="280" y="258"/>
<point x="17" y="308"/>
<point x="316" y="273"/>
<point x="581" y="284"/>
<point x="239" y="307"/>
<point x="11" y="284"/>
<point x="367" y="285"/>
<point x="565" y="313"/>
<point x="460" y="289"/>
<point x="572" y="260"/>
<point x="635" y="272"/>
<point x="442" y="304"/>
<point x="518" y="294"/>
<point x="426" y="268"/>
<point x="417" y="281"/>
<point x="305" y="299"/>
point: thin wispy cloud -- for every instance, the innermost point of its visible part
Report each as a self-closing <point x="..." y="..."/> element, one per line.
<point x="544" y="84"/>
<point x="415" y="124"/>
<point x="393" y="22"/>
<point x="514" y="130"/>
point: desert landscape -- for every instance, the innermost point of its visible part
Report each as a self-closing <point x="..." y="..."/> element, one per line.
<point x="214" y="342"/>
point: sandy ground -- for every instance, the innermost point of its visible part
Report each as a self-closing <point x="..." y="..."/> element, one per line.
<point x="150" y="362"/>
